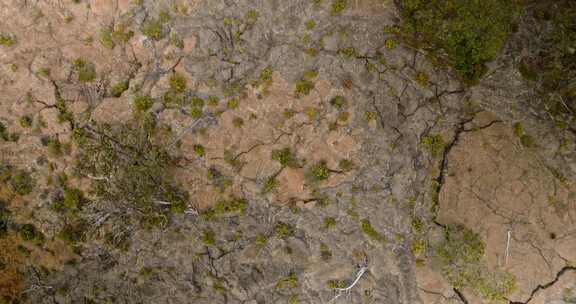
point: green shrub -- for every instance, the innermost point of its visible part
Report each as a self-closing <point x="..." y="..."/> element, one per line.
<point x="549" y="64"/>
<point x="22" y="182"/>
<point x="466" y="33"/>
<point x="136" y="172"/>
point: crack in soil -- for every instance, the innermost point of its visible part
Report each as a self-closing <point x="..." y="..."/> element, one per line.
<point x="559" y="274"/>
<point x="460" y="295"/>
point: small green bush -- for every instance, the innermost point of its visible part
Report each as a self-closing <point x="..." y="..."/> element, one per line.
<point x="7" y="40"/>
<point x="86" y="71"/>
<point x="304" y="87"/>
<point x="434" y="144"/>
<point x="338" y="102"/>
<point x="25" y="121"/>
<point x="370" y="231"/>
<point x="28" y="232"/>
<point x="119" y="88"/>
<point x="318" y="172"/>
<point x="154" y="29"/>
<point x="338" y="6"/>
<point x="285" y="157"/>
<point x="269" y="185"/>
<point x="291" y="281"/>
<point x="22" y="182"/>
<point x="466" y="33"/>
<point x="142" y="103"/>
<point x="284" y="230"/>
<point x="177" y="83"/>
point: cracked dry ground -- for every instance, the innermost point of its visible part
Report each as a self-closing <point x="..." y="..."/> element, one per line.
<point x="258" y="78"/>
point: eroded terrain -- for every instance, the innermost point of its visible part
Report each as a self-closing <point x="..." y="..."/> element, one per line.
<point x="270" y="152"/>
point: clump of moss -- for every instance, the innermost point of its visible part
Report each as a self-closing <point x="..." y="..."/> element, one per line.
<point x="86" y="71"/>
<point x="73" y="232"/>
<point x="269" y="185"/>
<point x="261" y="240"/>
<point x="28" y="232"/>
<point x="318" y="172"/>
<point x="119" y="88"/>
<point x="54" y="147"/>
<point x="338" y="102"/>
<point x="142" y="103"/>
<point x="25" y="121"/>
<point x="154" y="29"/>
<point x="434" y="144"/>
<point x="329" y="222"/>
<point x="346" y="165"/>
<point x="284" y="230"/>
<point x="525" y="139"/>
<point x="177" y="83"/>
<point x="338" y="6"/>
<point x="285" y="157"/>
<point x="231" y="206"/>
<point x="467" y="34"/>
<point x="22" y="182"/>
<point x="461" y="254"/>
<point x="7" y="39"/>
<point x="370" y="231"/>
<point x="232" y="104"/>
<point x="290" y="281"/>
<point x="335" y="284"/>
<point x="310" y="24"/>
<point x="238" y="122"/>
<point x="199" y="150"/>
<point x="209" y="238"/>
<point x="325" y="253"/>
